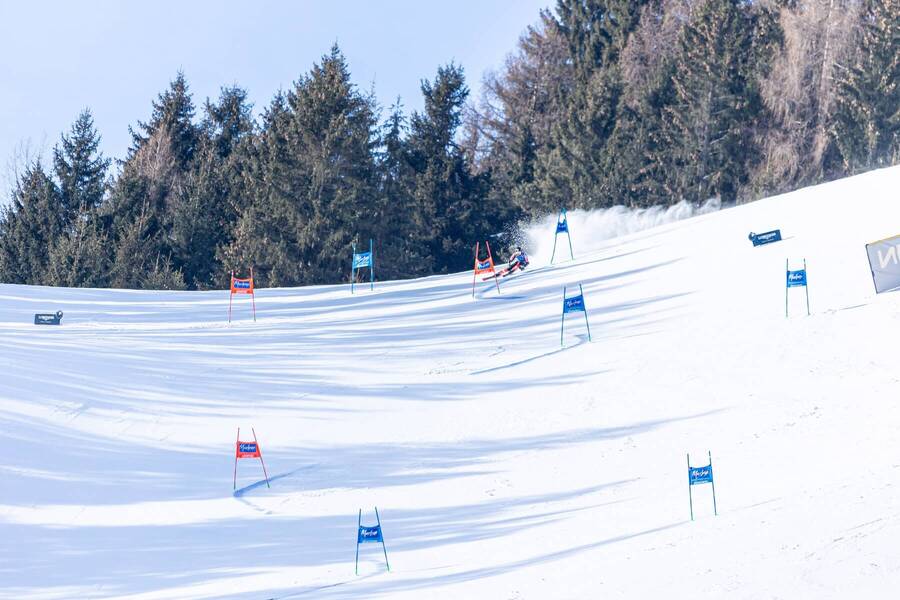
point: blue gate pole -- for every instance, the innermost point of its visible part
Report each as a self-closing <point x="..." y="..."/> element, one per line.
<point x="713" y="482"/>
<point x="555" y="236"/>
<point x="806" y="274"/>
<point x="371" y="267"/>
<point x="562" y="324"/>
<point x="358" y="525"/>
<point x="569" y="235"/>
<point x="580" y="289"/>
<point x="787" y="270"/>
<point x="353" y="270"/>
<point x="383" y="547"/>
<point x="690" y="496"/>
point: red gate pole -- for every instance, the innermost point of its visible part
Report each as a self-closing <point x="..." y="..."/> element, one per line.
<point x="234" y="486"/>
<point x="475" y="272"/>
<point x="491" y="258"/>
<point x="253" y="294"/>
<point x="258" y="449"/>
<point x="230" y="296"/>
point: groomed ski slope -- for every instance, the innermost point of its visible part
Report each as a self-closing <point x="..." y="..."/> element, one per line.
<point x="503" y="466"/>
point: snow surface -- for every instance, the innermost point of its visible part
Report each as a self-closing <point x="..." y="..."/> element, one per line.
<point x="503" y="466"/>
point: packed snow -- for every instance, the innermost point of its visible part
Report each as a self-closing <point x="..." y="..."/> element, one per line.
<point x="504" y="465"/>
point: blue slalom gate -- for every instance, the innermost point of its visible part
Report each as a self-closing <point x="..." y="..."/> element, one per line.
<point x="795" y="279"/>
<point x="571" y="305"/>
<point x="562" y="226"/>
<point x="370" y="534"/>
<point x="699" y="476"/>
<point x="363" y="260"/>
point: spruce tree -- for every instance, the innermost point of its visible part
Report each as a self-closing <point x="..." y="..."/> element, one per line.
<point x="173" y="112"/>
<point x="140" y="216"/>
<point x="80" y="167"/>
<point x="264" y="235"/>
<point x="29" y="228"/>
<point x="450" y="207"/>
<point x="204" y="211"/>
<point x="80" y="257"/>
<point x="315" y="181"/>
<point x="706" y="142"/>
<point x="400" y="254"/>
<point x="597" y="31"/>
<point x="229" y="120"/>
<point x="146" y="207"/>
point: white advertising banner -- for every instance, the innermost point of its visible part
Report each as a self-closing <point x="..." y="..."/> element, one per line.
<point x="884" y="260"/>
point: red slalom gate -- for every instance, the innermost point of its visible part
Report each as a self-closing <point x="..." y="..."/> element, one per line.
<point x="484" y="266"/>
<point x="242" y="286"/>
<point x="248" y="450"/>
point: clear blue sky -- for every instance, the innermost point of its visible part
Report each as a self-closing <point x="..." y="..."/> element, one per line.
<point x="57" y="57"/>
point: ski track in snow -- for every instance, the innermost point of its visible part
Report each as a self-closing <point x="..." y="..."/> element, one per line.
<point x="503" y="465"/>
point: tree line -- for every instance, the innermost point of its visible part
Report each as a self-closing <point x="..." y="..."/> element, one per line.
<point x="602" y="102"/>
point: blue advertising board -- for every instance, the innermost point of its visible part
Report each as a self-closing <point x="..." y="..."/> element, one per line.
<point x="362" y="260"/>
<point x="48" y="318"/>
<point x="369" y="534"/>
<point x="574" y="304"/>
<point x="796" y="278"/>
<point x="698" y="475"/>
<point x="760" y="239"/>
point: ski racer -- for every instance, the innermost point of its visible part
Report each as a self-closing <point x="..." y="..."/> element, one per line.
<point x="518" y="260"/>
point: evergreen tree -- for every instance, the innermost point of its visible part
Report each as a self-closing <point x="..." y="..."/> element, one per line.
<point x="173" y="112"/>
<point x="519" y="110"/>
<point x="399" y="253"/>
<point x="80" y="256"/>
<point x="596" y="31"/>
<point x="146" y="212"/>
<point x="29" y="227"/>
<point x="450" y="210"/>
<point x="573" y="166"/>
<point x="333" y="129"/>
<point x="264" y="235"/>
<point x="204" y="213"/>
<point x="315" y="193"/>
<point x="140" y="219"/>
<point x="83" y="259"/>
<point x="80" y="167"/>
<point x="706" y="141"/>
<point x="867" y="124"/>
<point x="228" y="121"/>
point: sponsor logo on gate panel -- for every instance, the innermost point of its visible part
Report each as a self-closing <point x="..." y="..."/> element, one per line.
<point x="700" y="475"/>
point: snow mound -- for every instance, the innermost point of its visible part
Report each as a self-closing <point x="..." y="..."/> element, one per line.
<point x="593" y="228"/>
